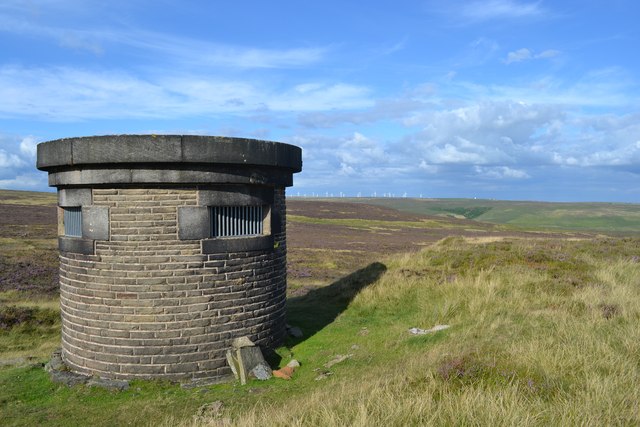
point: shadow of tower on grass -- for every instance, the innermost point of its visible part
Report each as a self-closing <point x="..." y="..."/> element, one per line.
<point x="318" y="308"/>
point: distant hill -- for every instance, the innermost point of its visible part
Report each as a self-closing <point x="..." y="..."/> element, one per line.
<point x="604" y="217"/>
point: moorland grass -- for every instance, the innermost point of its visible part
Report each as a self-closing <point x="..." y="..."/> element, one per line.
<point x="15" y="197"/>
<point x="372" y="224"/>
<point x="543" y="332"/>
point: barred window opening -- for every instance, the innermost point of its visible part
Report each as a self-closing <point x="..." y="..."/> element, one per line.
<point x="236" y="221"/>
<point x="72" y="221"/>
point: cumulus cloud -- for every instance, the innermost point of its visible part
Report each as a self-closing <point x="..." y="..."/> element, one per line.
<point x="28" y="146"/>
<point x="10" y="161"/>
<point x="364" y="160"/>
<point x="17" y="163"/>
<point x="26" y="181"/>
<point x="605" y="141"/>
<point x="432" y="169"/>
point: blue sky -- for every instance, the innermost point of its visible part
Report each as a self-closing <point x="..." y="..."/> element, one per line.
<point x="504" y="99"/>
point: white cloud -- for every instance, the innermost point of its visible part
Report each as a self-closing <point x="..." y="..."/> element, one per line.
<point x="549" y="53"/>
<point x="501" y="172"/>
<point x="320" y="97"/>
<point x="518" y="56"/>
<point x="346" y="170"/>
<point x="10" y="161"/>
<point x="163" y="48"/>
<point x="28" y="146"/>
<point x="379" y="110"/>
<point x="525" y="54"/>
<point x="461" y="151"/>
<point x="27" y="181"/>
<point x="360" y="150"/>
<point x="499" y="9"/>
<point x="504" y="140"/>
<point x="600" y="141"/>
<point x="65" y="93"/>
<point x="600" y="88"/>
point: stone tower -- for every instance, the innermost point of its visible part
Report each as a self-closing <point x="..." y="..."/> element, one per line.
<point x="170" y="247"/>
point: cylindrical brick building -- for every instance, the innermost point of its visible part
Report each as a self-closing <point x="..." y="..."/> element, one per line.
<point x="170" y="247"/>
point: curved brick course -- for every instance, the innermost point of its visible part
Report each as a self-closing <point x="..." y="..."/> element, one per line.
<point x="139" y="300"/>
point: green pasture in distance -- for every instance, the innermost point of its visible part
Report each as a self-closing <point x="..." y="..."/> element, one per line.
<point x="609" y="217"/>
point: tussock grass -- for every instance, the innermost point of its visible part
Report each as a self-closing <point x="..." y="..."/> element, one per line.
<point x="28" y="329"/>
<point x="542" y="333"/>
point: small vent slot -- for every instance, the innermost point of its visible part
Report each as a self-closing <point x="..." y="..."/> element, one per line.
<point x="236" y="221"/>
<point x="73" y="221"/>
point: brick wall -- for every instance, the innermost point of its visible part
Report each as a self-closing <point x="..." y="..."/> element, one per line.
<point x="150" y="305"/>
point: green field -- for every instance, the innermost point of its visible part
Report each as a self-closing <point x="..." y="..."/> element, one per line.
<point x="606" y="217"/>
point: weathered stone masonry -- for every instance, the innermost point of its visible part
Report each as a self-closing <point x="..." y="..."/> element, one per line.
<point x="146" y="291"/>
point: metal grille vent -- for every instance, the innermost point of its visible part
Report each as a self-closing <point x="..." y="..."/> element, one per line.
<point x="235" y="221"/>
<point x="73" y="221"/>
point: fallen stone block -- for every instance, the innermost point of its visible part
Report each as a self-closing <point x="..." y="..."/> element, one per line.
<point x="246" y="361"/>
<point x="337" y="359"/>
<point x="418" y="331"/>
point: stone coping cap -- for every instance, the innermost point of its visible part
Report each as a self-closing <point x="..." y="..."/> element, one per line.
<point x="120" y="149"/>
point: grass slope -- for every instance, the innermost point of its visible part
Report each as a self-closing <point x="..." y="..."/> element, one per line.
<point x="542" y="333"/>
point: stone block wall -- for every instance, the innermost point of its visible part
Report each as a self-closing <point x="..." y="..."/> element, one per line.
<point x="147" y="304"/>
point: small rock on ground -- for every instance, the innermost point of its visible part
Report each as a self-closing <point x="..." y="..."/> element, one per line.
<point x="261" y="372"/>
<point x="293" y="364"/>
<point x="285" y="373"/>
<point x="418" y="331"/>
<point x="67" y="378"/>
<point x="337" y="359"/>
<point x="323" y="375"/>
